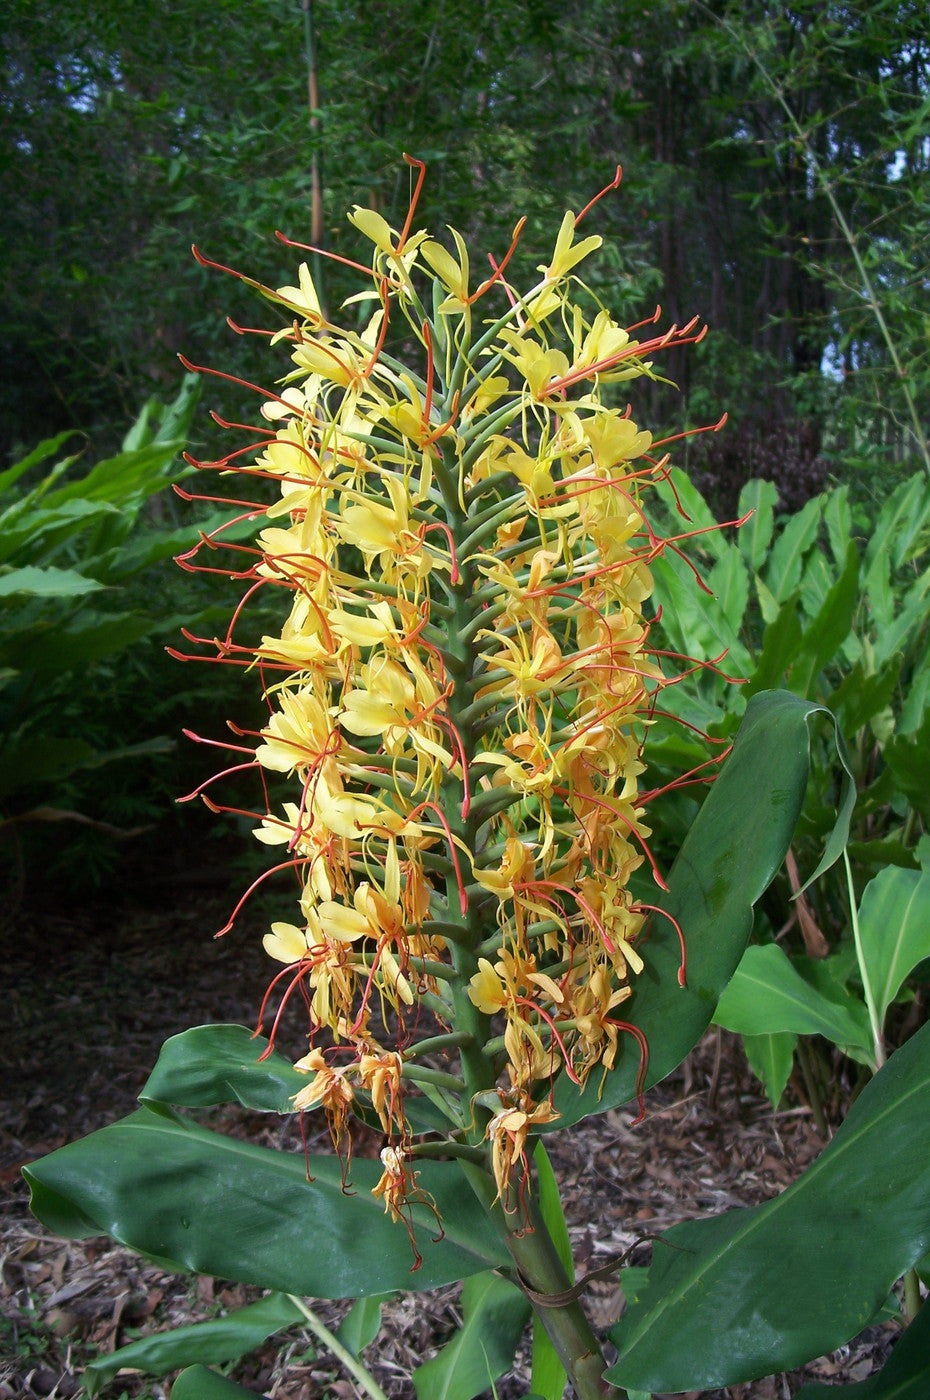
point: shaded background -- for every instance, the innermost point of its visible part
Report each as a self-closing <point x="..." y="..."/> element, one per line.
<point x="775" y="183"/>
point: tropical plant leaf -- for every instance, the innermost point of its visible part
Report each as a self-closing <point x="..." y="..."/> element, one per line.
<point x="494" y="1314"/>
<point x="785" y="563"/>
<point x="768" y="1287"/>
<point x="780" y="646"/>
<point x="767" y="994"/>
<point x="828" y="631"/>
<point x="894" y="925"/>
<point x="33" y="582"/>
<point x="904" y="1376"/>
<point x="770" y="1058"/>
<point x="220" y="1339"/>
<point x="755" y="536"/>
<point x="193" y="1199"/>
<point x="209" y="1065"/>
<point x="728" y="859"/>
<point x="729" y="580"/>
<point x="361" y="1324"/>
<point x="199" y="1383"/>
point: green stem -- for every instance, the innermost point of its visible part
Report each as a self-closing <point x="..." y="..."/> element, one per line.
<point x="420" y="1074"/>
<point x="874" y="1018"/>
<point x="540" y="1268"/>
<point x="355" y="1368"/>
<point x="436" y="1042"/>
<point x="912" y="1300"/>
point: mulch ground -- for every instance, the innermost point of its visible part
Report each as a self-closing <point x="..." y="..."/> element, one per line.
<point x="95" y="989"/>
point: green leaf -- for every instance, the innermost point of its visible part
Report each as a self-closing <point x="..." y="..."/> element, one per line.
<point x="729" y="581"/>
<point x="88" y="637"/>
<point x="495" y="1313"/>
<point x="902" y="517"/>
<point x="697" y="622"/>
<point x="222" y="1064"/>
<point x="35" y="534"/>
<point x="38" y="454"/>
<point x="860" y="697"/>
<point x="786" y="559"/>
<point x="908" y="759"/>
<point x="727" y="861"/>
<point x="910" y="616"/>
<point x="767" y="995"/>
<point x="30" y="760"/>
<point x="781" y="643"/>
<point x="221" y="1339"/>
<point x="837" y="517"/>
<point x="755" y="536"/>
<point x="828" y="631"/>
<point x="193" y="1199"/>
<point x="696" y="510"/>
<point x="918" y="696"/>
<point x="905" y="1375"/>
<point x="362" y="1323"/>
<point x="548" y="1375"/>
<point x="197" y="1383"/>
<point x="768" y="1287"/>
<point x="894" y="925"/>
<point x="34" y="582"/>
<point x="770" y="1057"/>
<point x="127" y="479"/>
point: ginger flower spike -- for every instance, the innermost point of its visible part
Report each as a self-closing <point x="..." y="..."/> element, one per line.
<point x="458" y="693"/>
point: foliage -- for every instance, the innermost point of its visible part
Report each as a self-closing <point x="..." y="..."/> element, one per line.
<point x="774" y="158"/>
<point x="833" y="604"/>
<point x="467" y="552"/>
<point x="84" y="613"/>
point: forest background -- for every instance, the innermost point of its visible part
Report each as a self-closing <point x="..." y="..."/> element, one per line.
<point x="775" y="183"/>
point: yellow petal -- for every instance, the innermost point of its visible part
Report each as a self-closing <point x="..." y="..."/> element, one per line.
<point x="285" y="943"/>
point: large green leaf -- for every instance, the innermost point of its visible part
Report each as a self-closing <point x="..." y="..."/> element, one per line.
<point x="911" y="614"/>
<point x="766" y="1288"/>
<point x="681" y="495"/>
<point x="767" y="994"/>
<point x="905" y="1376"/>
<point x="198" y="1383"/>
<point x="696" y="621"/>
<point x="222" y="1064"/>
<point x="217" y="1064"/>
<point x="786" y="557"/>
<point x="34" y="582"/>
<point x="894" y="925"/>
<point x="908" y="758"/>
<point x="827" y="631"/>
<point x="194" y="1199"/>
<point x="220" y="1339"/>
<point x="837" y="517"/>
<point x="755" y="536"/>
<point x="37" y="455"/>
<point x="728" y="859"/>
<point x="729" y="580"/>
<point x="780" y="646"/>
<point x="494" y="1314"/>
